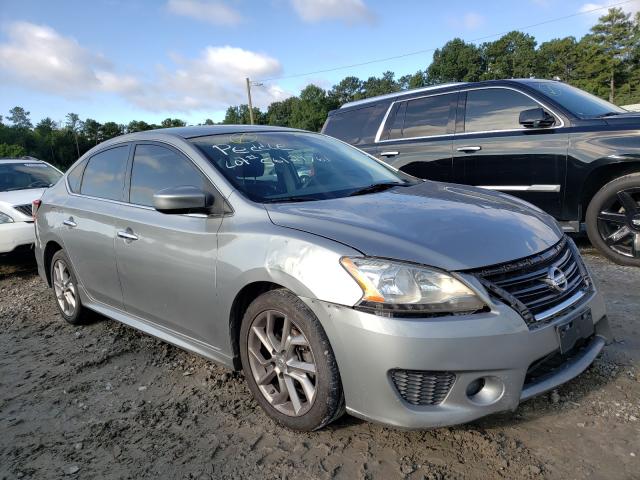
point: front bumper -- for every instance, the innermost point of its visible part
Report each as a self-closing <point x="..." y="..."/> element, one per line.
<point x="16" y="234"/>
<point x="496" y="345"/>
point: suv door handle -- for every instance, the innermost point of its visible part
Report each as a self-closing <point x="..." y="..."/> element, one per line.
<point x="70" y="223"/>
<point x="127" y="234"/>
<point x="469" y="148"/>
<point x="389" y="154"/>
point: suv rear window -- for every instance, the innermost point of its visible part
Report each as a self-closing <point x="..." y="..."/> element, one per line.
<point x="495" y="109"/>
<point x="355" y="126"/>
<point x="104" y="175"/>
<point x="427" y="116"/>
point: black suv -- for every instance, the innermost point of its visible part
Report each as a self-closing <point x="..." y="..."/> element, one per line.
<point x="570" y="153"/>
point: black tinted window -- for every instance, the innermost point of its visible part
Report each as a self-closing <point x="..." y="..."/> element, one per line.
<point x="495" y="109"/>
<point x="397" y="120"/>
<point x="355" y="126"/>
<point x="104" y="175"/>
<point x="74" y="177"/>
<point x="427" y="116"/>
<point x="156" y="168"/>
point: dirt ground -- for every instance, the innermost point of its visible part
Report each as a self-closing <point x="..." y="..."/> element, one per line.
<point x="104" y="401"/>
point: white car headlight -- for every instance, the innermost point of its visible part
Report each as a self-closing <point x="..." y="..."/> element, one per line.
<point x="402" y="287"/>
<point x="4" y="218"/>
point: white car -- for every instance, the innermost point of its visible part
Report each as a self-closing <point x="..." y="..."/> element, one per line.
<point x="22" y="180"/>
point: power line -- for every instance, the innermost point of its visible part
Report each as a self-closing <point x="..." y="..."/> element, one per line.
<point x="428" y="50"/>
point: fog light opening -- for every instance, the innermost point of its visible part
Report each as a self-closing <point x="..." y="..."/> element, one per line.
<point x="474" y="387"/>
<point x="485" y="390"/>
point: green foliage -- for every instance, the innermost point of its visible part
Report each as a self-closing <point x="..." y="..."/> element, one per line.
<point x="11" y="151"/>
<point x="605" y="62"/>
<point x="457" y="61"/>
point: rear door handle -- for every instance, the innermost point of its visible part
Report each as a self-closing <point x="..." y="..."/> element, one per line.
<point x="469" y="148"/>
<point x="127" y="234"/>
<point x="389" y="154"/>
<point x="70" y="223"/>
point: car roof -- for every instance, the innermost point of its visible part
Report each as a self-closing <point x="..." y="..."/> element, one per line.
<point x="205" y="130"/>
<point x="442" y="86"/>
<point x="21" y="160"/>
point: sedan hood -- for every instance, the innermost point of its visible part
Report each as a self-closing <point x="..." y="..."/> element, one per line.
<point x="21" y="197"/>
<point x="448" y="226"/>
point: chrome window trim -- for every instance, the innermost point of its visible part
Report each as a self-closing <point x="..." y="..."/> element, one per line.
<point x="522" y="188"/>
<point x="387" y="96"/>
<point x="543" y="105"/>
<point x="146" y="207"/>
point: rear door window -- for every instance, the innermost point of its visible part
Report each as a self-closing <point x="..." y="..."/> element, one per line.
<point x="427" y="116"/>
<point x="495" y="109"/>
<point x="104" y="175"/>
<point x="156" y="168"/>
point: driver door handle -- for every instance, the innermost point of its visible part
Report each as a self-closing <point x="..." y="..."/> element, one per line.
<point x="127" y="235"/>
<point x="469" y="148"/>
<point x="70" y="223"/>
<point x="389" y="154"/>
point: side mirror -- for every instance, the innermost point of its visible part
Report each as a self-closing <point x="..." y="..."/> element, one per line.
<point x="184" y="199"/>
<point x="536" y="118"/>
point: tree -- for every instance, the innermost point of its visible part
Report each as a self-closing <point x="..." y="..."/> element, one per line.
<point x="511" y="56"/>
<point x="375" y="86"/>
<point x="11" y="151"/>
<point x="310" y="112"/>
<point x="456" y="61"/>
<point x="73" y="125"/>
<point x="172" y="122"/>
<point x="111" y="129"/>
<point x="417" y="80"/>
<point x="279" y="113"/>
<point x="45" y="130"/>
<point x="208" y="121"/>
<point x="613" y="34"/>
<point x="91" y="130"/>
<point x="19" y="118"/>
<point x="347" y="90"/>
<point x="141" y="126"/>
<point x="557" y="58"/>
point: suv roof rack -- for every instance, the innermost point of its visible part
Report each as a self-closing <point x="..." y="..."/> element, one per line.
<point x="403" y="92"/>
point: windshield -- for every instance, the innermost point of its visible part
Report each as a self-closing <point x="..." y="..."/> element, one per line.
<point x="292" y="166"/>
<point x="22" y="176"/>
<point x="578" y="102"/>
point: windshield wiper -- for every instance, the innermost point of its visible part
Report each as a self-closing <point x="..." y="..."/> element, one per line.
<point x="289" y="199"/>
<point x="376" y="187"/>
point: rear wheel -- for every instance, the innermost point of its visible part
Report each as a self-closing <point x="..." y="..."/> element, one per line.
<point x="613" y="220"/>
<point x="65" y="288"/>
<point x="288" y="362"/>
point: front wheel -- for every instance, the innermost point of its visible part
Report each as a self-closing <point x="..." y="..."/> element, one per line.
<point x="288" y="362"/>
<point x="613" y="220"/>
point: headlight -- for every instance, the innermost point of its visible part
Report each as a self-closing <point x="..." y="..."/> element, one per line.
<point x="401" y="287"/>
<point x="4" y="218"/>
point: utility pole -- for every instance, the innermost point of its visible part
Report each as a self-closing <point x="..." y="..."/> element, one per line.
<point x="250" y="104"/>
<point x="249" y="85"/>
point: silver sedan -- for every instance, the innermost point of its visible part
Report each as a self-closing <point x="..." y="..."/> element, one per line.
<point x="334" y="281"/>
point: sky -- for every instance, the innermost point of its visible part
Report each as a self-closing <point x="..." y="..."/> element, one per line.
<point x="123" y="60"/>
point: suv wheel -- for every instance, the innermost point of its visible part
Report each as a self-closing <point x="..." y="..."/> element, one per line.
<point x="65" y="288"/>
<point x="613" y="220"/>
<point x="288" y="362"/>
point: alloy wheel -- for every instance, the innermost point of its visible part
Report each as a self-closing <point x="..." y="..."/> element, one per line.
<point x="282" y="363"/>
<point x="64" y="288"/>
<point x="619" y="223"/>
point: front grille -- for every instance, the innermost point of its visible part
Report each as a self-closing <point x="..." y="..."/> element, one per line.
<point x="524" y="284"/>
<point x="419" y="387"/>
<point x="24" y="209"/>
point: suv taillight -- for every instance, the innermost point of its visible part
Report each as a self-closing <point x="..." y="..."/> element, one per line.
<point x="35" y="205"/>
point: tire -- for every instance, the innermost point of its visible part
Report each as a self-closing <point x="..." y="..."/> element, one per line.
<point x="75" y="314"/>
<point x="613" y="220"/>
<point x="268" y="314"/>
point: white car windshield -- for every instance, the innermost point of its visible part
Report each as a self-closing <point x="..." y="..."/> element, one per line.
<point x="296" y="166"/>
<point x="25" y="175"/>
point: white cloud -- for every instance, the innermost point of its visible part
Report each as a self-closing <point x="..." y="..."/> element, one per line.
<point x="40" y="58"/>
<point x="349" y="11"/>
<point x="472" y="20"/>
<point x="212" y="11"/>
<point x="630" y="7"/>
